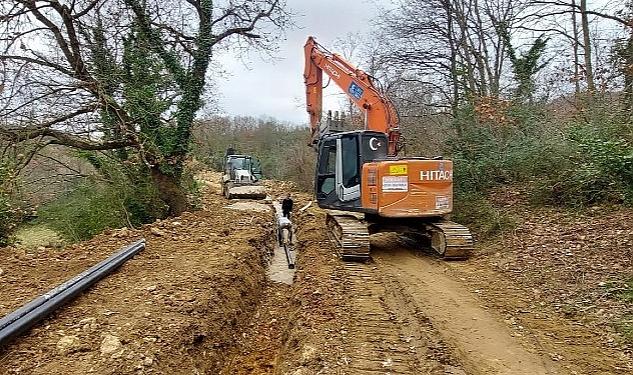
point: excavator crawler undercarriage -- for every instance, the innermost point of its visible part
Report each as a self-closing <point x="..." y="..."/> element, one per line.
<point x="451" y="240"/>
<point x="350" y="233"/>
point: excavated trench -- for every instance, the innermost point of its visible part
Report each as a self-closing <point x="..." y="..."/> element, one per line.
<point x="179" y="307"/>
<point x="258" y="347"/>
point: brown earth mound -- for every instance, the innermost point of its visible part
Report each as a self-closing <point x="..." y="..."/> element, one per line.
<point x="175" y="308"/>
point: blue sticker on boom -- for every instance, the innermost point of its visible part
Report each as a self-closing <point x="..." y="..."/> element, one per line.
<point x="355" y="90"/>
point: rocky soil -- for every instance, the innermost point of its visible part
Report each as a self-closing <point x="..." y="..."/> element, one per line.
<point x="175" y="308"/>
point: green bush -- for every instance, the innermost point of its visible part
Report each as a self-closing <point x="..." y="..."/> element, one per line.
<point x="85" y="211"/>
<point x="476" y="212"/>
<point x="600" y="171"/>
<point x="94" y="205"/>
<point x="11" y="209"/>
<point x="7" y="220"/>
<point x="568" y="164"/>
<point x="489" y="154"/>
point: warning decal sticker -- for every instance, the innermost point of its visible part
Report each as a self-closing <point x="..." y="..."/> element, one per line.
<point x="442" y="203"/>
<point x="398" y="169"/>
<point x="395" y="183"/>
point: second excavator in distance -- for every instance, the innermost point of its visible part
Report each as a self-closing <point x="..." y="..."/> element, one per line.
<point x="361" y="181"/>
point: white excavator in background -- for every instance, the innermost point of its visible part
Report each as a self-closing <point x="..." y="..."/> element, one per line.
<point x="241" y="177"/>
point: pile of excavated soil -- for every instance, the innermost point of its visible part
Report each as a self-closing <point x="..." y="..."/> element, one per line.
<point x="176" y="308"/>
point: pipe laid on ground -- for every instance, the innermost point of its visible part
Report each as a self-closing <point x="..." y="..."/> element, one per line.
<point x="28" y="315"/>
<point x="285" y="241"/>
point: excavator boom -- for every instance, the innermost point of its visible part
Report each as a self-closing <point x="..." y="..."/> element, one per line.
<point x="380" y="113"/>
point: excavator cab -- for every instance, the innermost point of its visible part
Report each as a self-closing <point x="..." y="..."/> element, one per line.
<point x="340" y="162"/>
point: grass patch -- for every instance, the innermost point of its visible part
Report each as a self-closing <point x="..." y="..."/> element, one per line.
<point x="624" y="327"/>
<point x="83" y="212"/>
<point x="622" y="291"/>
<point x="35" y="235"/>
<point x="93" y="206"/>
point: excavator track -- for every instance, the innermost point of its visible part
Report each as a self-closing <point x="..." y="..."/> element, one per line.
<point x="451" y="240"/>
<point x="350" y="234"/>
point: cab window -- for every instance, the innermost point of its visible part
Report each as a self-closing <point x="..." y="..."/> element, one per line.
<point x="350" y="161"/>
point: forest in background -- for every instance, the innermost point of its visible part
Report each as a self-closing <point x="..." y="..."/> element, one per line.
<point x="535" y="94"/>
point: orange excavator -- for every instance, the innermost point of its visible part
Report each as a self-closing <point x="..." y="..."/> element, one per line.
<point x="365" y="187"/>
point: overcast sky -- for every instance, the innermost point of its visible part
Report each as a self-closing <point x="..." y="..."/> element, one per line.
<point x="275" y="88"/>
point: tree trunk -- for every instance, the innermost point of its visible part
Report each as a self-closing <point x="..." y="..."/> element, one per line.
<point x="591" y="86"/>
<point x="575" y="45"/>
<point x="454" y="71"/>
<point x="628" y="75"/>
<point x="170" y="191"/>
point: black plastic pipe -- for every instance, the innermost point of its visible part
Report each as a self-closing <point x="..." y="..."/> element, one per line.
<point x="18" y="321"/>
<point x="289" y="256"/>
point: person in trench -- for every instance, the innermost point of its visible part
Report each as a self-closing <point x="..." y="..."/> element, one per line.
<point x="286" y="206"/>
<point x="284" y="222"/>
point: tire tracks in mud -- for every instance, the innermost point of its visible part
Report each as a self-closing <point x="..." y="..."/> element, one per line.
<point x="398" y="314"/>
<point x="402" y="313"/>
<point x="385" y="338"/>
<point x="479" y="339"/>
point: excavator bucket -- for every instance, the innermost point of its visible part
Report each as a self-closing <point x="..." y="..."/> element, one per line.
<point x="245" y="192"/>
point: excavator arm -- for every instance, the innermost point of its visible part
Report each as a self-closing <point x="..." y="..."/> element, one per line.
<point x="380" y="114"/>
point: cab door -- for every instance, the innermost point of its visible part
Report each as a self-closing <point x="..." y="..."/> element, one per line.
<point x="325" y="184"/>
<point x="338" y="173"/>
<point x="256" y="169"/>
<point x="348" y="168"/>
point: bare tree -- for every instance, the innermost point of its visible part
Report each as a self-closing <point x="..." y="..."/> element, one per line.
<point x="452" y="46"/>
<point x="586" y="38"/>
<point x="126" y="75"/>
<point x="552" y="9"/>
<point x="575" y="44"/>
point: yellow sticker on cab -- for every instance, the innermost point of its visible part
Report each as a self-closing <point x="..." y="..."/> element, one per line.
<point x="398" y="169"/>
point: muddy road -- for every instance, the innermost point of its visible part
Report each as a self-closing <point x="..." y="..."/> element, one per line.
<point x="198" y="301"/>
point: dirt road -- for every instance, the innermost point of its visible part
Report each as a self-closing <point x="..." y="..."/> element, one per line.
<point x="197" y="301"/>
<point x="481" y="340"/>
<point x="407" y="312"/>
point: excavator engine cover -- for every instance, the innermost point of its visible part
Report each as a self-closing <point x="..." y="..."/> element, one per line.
<point x="408" y="187"/>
